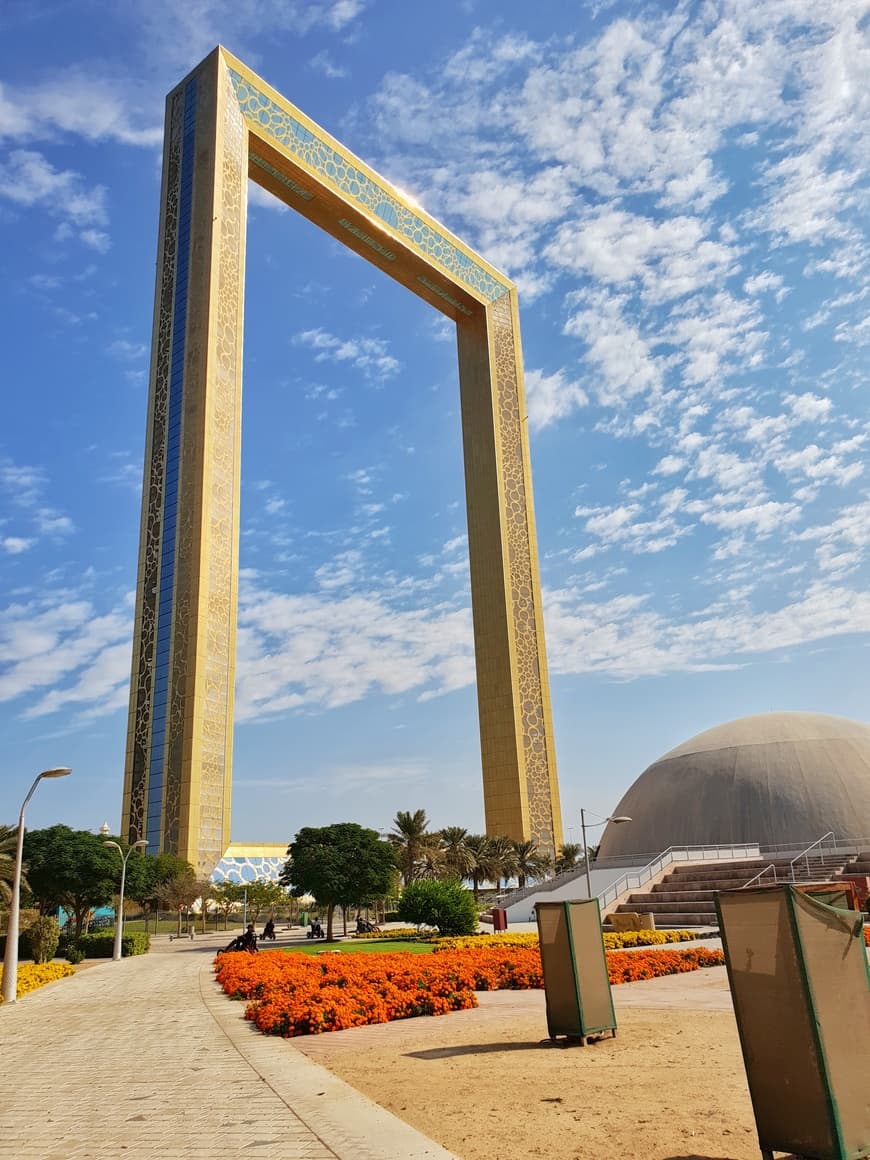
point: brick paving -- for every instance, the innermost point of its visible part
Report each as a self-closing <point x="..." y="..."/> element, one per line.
<point x="147" y="1058"/>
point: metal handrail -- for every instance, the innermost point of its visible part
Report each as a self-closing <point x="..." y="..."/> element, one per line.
<point x="633" y="881"/>
<point x="760" y="875"/>
<point x="803" y="854"/>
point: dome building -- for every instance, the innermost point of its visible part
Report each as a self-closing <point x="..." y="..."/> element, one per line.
<point x="775" y="779"/>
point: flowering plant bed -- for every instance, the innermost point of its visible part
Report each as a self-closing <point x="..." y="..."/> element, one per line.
<point x="299" y="995"/>
<point x="33" y="975"/>
<point x="613" y="940"/>
<point x="401" y="932"/>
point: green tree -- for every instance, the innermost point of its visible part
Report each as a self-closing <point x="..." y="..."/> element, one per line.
<point x="226" y="896"/>
<point x="479" y="845"/>
<point x="458" y="857"/>
<point x="146" y="875"/>
<point x="8" y="844"/>
<point x="72" y="869"/>
<point x="444" y="904"/>
<point x="41" y="939"/>
<point x="205" y="886"/>
<point x="501" y="860"/>
<point x="179" y="892"/>
<point x="264" y="895"/>
<point x="531" y="862"/>
<point x="341" y="865"/>
<point x="411" y="839"/>
<point x="570" y="856"/>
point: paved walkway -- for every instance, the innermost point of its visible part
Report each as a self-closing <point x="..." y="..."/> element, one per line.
<point x="147" y="1058"/>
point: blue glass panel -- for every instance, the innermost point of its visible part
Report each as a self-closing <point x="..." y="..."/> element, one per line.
<point x="171" y="479"/>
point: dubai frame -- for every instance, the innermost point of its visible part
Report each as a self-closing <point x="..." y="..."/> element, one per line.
<point x="224" y="124"/>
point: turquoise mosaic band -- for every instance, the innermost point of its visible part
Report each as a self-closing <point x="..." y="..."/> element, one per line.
<point x="340" y="171"/>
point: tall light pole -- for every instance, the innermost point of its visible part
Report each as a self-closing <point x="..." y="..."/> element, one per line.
<point x="10" y="962"/>
<point x="593" y="825"/>
<point x="119" y="913"/>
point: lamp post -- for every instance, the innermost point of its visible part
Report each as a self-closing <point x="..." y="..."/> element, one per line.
<point x="592" y="825"/>
<point x="10" y="962"/>
<point x="119" y="913"/>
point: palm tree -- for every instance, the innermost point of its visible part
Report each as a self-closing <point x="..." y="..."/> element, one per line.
<point x="431" y="863"/>
<point x="410" y="837"/>
<point x="8" y="846"/>
<point x="569" y="857"/>
<point x="478" y="846"/>
<point x="502" y="859"/>
<point x="531" y="862"/>
<point x="458" y="858"/>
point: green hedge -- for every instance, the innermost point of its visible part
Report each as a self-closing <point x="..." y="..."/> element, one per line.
<point x="446" y="905"/>
<point x="101" y="944"/>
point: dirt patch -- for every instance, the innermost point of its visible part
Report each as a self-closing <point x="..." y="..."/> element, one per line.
<point x="489" y="1086"/>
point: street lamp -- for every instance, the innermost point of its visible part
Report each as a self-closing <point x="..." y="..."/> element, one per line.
<point x="119" y="913"/>
<point x="603" y="822"/>
<point x="10" y="962"/>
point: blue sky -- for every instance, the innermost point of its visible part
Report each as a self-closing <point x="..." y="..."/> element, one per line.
<point x="680" y="192"/>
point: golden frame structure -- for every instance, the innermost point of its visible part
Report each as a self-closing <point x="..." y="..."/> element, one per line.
<point x="223" y="125"/>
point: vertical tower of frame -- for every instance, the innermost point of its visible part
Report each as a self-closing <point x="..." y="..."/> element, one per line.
<point x="223" y="124"/>
<point x="177" y="790"/>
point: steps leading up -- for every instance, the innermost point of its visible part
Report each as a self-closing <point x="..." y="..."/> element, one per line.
<point x="684" y="897"/>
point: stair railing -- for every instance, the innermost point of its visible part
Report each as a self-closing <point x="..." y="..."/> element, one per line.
<point x="760" y="875"/>
<point x="804" y="854"/>
<point x="634" y="880"/>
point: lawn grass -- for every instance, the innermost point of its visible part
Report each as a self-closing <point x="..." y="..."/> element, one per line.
<point x="365" y="946"/>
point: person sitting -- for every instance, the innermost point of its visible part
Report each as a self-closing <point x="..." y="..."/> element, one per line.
<point x="243" y="942"/>
<point x="269" y="930"/>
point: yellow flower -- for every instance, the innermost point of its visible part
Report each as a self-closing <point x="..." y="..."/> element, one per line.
<point x="33" y="975"/>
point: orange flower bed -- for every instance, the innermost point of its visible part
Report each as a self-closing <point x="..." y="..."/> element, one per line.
<point x="292" y="994"/>
<point x="305" y="995"/>
<point x="631" y="966"/>
<point x="867" y="936"/>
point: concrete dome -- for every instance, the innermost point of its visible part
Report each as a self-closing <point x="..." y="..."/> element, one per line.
<point x="776" y="778"/>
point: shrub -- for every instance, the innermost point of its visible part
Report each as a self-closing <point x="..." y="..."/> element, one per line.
<point x="100" y="946"/>
<point x="33" y="975"/>
<point x="446" y="905"/>
<point x="40" y="940"/>
<point x="74" y="954"/>
<point x="403" y="932"/>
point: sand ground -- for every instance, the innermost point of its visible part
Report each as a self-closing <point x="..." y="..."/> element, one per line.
<point x="489" y="1085"/>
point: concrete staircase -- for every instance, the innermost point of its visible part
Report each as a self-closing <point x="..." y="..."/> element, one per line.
<point x="684" y="896"/>
<point x="860" y="864"/>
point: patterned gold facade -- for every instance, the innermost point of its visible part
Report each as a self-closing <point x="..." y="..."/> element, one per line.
<point x="224" y="124"/>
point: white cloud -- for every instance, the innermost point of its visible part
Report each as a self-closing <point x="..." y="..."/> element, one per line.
<point x="15" y="545"/>
<point x="44" y="644"/>
<point x="368" y="355"/>
<point x="127" y="351"/>
<point x="98" y="240"/>
<point x="23" y="482"/>
<point x="83" y="104"/>
<point x="323" y="63"/>
<point x="53" y="523"/>
<point x="666" y="259"/>
<point x="809" y="408"/>
<point x="29" y="179"/>
<point x="551" y="397"/>
<point x="622" y="360"/>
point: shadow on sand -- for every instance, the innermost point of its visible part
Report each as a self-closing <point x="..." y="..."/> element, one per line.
<point x="486" y="1049"/>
